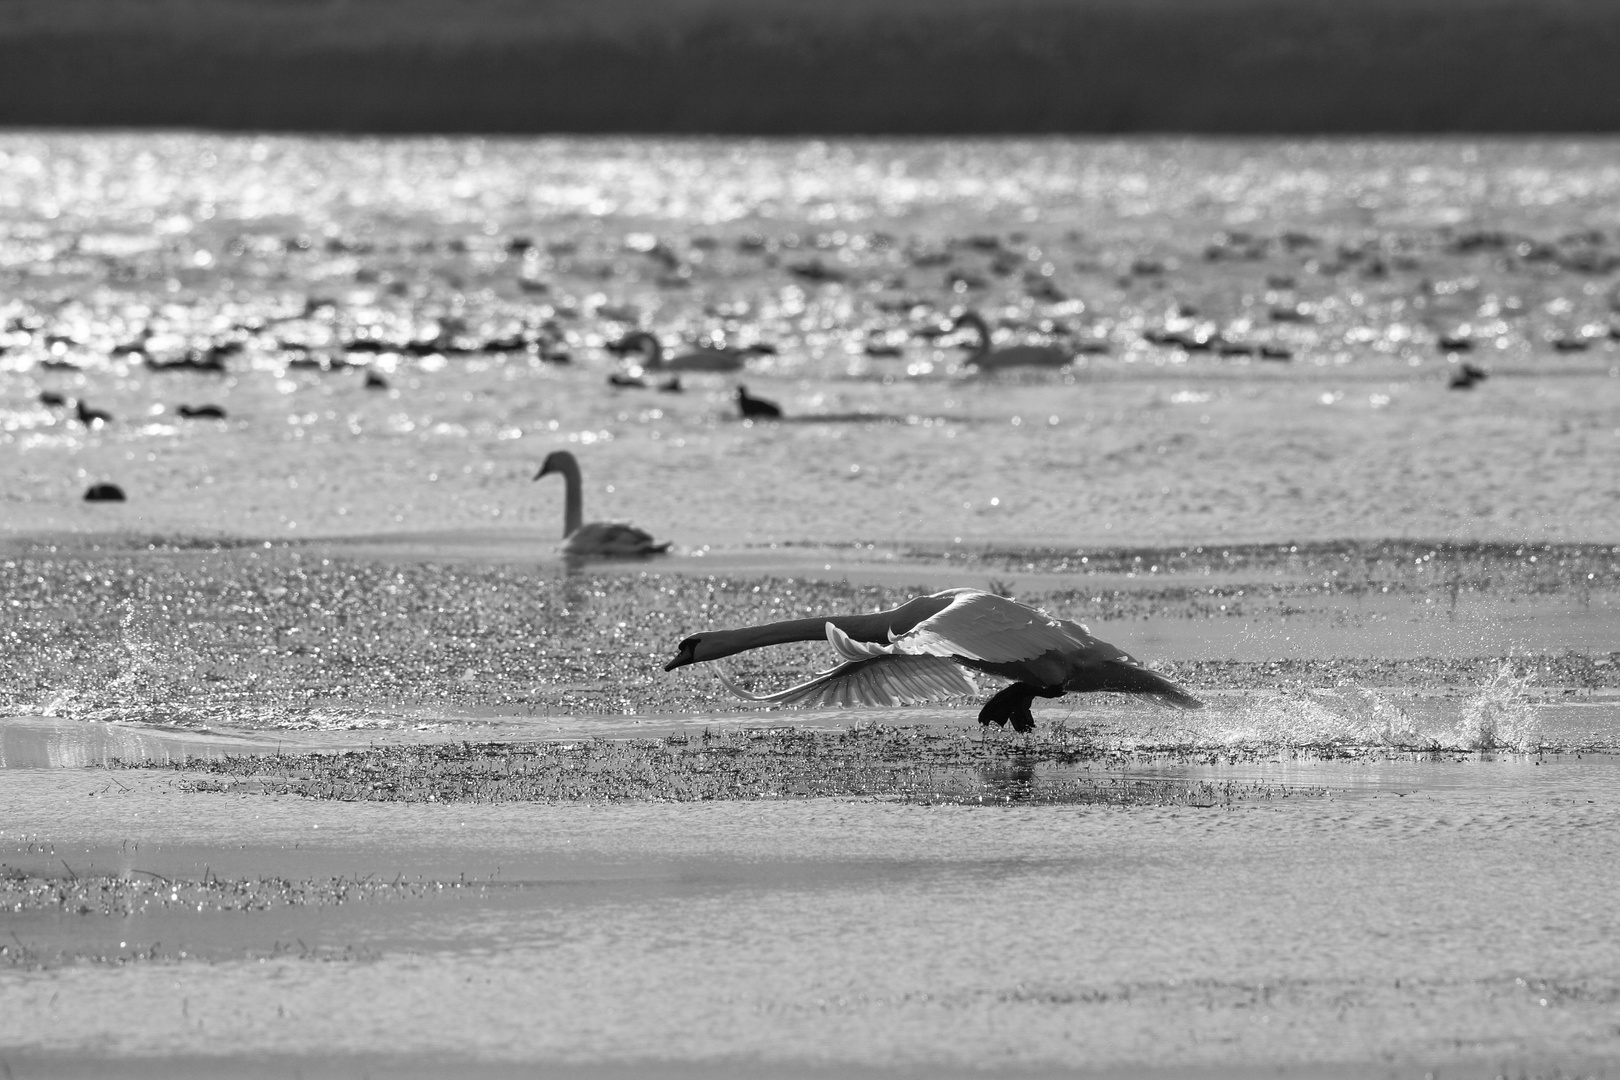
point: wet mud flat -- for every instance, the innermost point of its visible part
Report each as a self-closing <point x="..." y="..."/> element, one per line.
<point x="1327" y="915"/>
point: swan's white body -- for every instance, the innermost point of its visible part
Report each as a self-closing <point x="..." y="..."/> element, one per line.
<point x="915" y="652"/>
<point x="611" y="538"/>
<point x="653" y="358"/>
<point x="987" y="357"/>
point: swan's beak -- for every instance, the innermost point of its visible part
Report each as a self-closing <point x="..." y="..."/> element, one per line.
<point x="685" y="653"/>
<point x="541" y="473"/>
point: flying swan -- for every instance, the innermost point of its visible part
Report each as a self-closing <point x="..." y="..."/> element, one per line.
<point x="598" y="537"/>
<point x="915" y="653"/>
<point x="988" y="358"/>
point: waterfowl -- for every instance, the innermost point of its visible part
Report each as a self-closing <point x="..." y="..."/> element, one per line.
<point x="987" y="357"/>
<point x="104" y="493"/>
<point x="201" y="412"/>
<point x="1466" y="376"/>
<point x="754" y="408"/>
<point x="725" y="358"/>
<point x="51" y="399"/>
<point x="91" y="417"/>
<point x="597" y="537"/>
<point x="915" y="653"/>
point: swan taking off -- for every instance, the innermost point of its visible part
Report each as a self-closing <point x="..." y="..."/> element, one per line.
<point x="915" y="652"/>
<point x="598" y="537"/>
<point x="987" y="357"/>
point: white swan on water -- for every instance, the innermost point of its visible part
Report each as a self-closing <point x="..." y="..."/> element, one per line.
<point x="987" y="357"/>
<point x="597" y="537"/>
<point x="915" y="653"/>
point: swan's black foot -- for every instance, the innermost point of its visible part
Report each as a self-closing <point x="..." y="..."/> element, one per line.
<point x="1013" y="704"/>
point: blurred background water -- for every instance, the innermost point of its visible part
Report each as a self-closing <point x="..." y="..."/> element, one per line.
<point x="1266" y="336"/>
<point x="1264" y="331"/>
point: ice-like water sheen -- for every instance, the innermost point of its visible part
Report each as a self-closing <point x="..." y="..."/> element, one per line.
<point x="1420" y="915"/>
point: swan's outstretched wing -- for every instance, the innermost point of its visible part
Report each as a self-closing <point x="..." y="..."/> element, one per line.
<point x="1003" y="637"/>
<point x="871" y="675"/>
<point x="984" y="626"/>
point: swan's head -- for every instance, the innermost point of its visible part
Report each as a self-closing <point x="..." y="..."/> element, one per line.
<point x="556" y="462"/>
<point x="687" y="653"/>
<point x="650" y="349"/>
<point x="711" y="645"/>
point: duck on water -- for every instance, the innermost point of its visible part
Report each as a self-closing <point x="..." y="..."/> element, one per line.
<point x="915" y="652"/>
<point x="610" y="538"/>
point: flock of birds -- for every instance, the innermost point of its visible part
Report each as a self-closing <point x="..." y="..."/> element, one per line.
<point x="644" y="351"/>
<point x="648" y="356"/>
<point x="914" y="653"/>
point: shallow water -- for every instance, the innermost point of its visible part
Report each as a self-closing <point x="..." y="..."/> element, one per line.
<point x="1393" y="913"/>
<point x="1423" y="913"/>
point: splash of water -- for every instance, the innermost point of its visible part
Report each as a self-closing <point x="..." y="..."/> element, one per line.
<point x="1360" y="717"/>
<point x="1500" y="716"/>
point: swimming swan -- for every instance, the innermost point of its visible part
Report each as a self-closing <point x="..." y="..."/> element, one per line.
<point x="598" y="537"/>
<point x="651" y="349"/>
<point x="987" y="357"/>
<point x="914" y="653"/>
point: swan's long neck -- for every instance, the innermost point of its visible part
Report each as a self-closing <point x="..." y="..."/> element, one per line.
<point x="573" y="498"/>
<point x="718" y="643"/>
<point x="980" y="327"/>
<point x="652" y="351"/>
<point x="876" y="627"/>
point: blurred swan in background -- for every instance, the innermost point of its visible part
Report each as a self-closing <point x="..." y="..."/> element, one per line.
<point x="914" y="653"/>
<point x="597" y="537"/>
<point x="651" y="350"/>
<point x="987" y="357"/>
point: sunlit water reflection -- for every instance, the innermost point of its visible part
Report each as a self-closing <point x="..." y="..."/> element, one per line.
<point x="1417" y="914"/>
<point x="1268" y="329"/>
<point x="414" y="259"/>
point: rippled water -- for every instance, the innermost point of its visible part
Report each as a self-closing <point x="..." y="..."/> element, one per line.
<point x="1355" y="258"/>
<point x="1418" y="914"/>
<point x="1393" y="913"/>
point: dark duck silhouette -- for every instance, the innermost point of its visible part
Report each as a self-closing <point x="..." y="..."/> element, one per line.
<point x="754" y="408"/>
<point x="91" y="417"/>
<point x="915" y="653"/>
